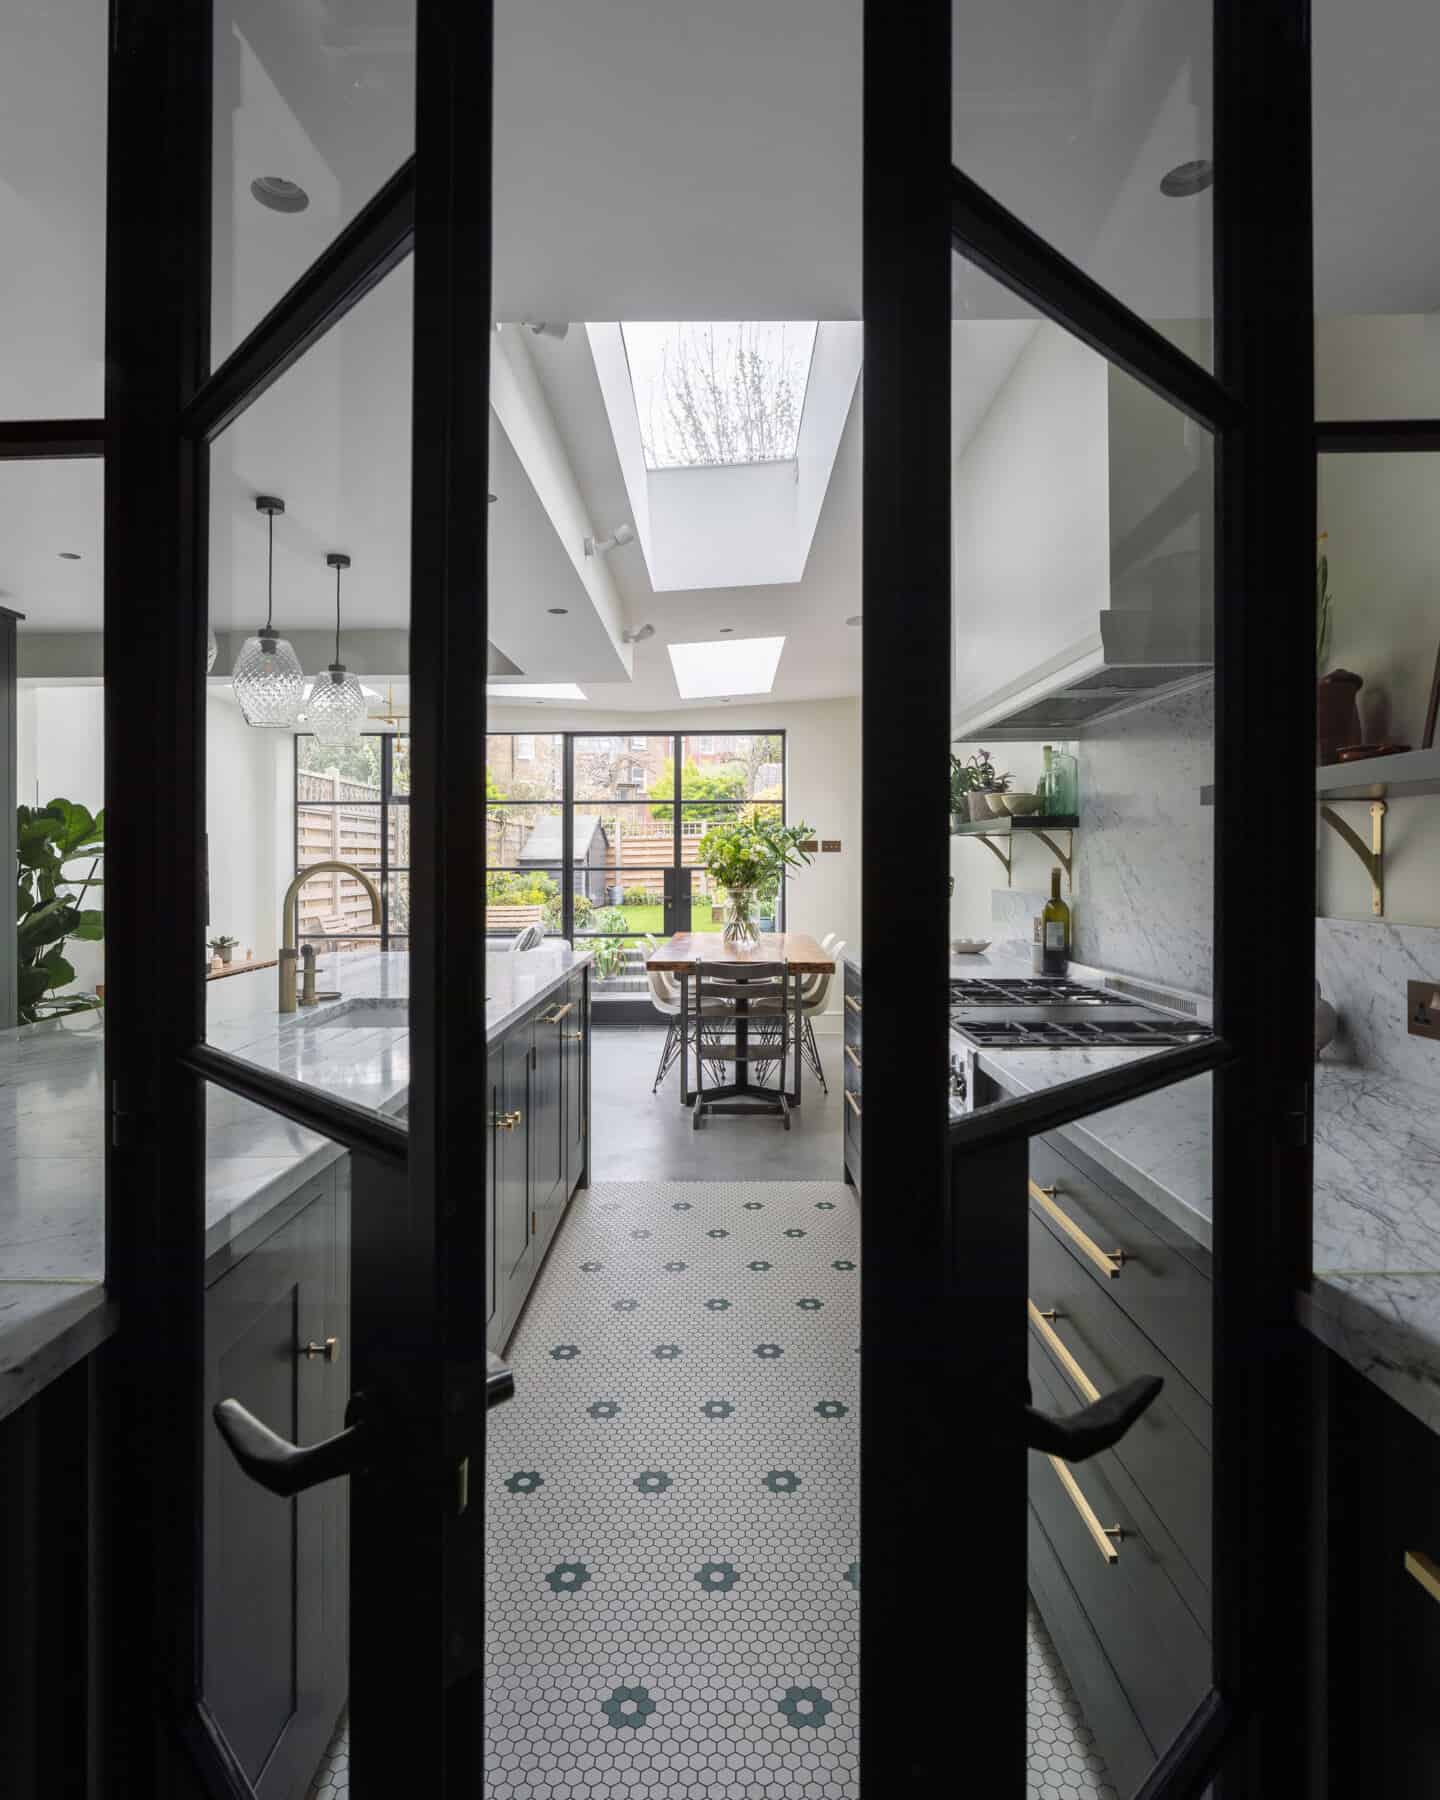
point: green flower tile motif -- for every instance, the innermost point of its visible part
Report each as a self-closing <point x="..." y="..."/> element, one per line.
<point x="782" y="1481"/>
<point x="717" y="1577"/>
<point x="680" y="1206"/>
<point x="717" y="1306"/>
<point x="623" y="1305"/>
<point x="760" y="1267"/>
<point x="810" y="1305"/>
<point x="852" y="1575"/>
<point x="565" y="1352"/>
<point x="592" y="1268"/>
<point x="717" y="1409"/>
<point x="628" y="1708"/>
<point x="603" y="1409"/>
<point x="754" y="1206"/>
<point x="795" y="1232"/>
<point x="805" y="1708"/>
<point x="842" y="1264"/>
<point x="832" y="1409"/>
<point x="768" y="1352"/>
<point x="641" y="1234"/>
<point x="676" y="1268"/>
<point x="525" y="1481"/>
<point x="717" y="1231"/>
<point x="824" y="1206"/>
<point x="666" y="1352"/>
<point x="568" y="1578"/>
<point x="654" y="1481"/>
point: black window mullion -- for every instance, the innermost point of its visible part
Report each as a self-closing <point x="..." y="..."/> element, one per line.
<point x="567" y="836"/>
<point x="386" y="743"/>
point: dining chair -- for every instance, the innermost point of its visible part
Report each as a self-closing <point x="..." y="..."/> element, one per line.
<point x="757" y="998"/>
<point x="665" y="998"/>
<point x="813" y="996"/>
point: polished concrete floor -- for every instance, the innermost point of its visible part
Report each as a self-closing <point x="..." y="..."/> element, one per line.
<point x="640" y="1136"/>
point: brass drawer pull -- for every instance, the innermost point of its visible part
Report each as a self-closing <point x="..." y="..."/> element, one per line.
<point x="507" y="1121"/>
<point x="555" y="1018"/>
<point x="853" y="1054"/>
<point x="1102" y="1534"/>
<point x="1427" y="1573"/>
<point x="1051" y="1339"/>
<point x="328" y="1349"/>
<point x="852" y="1003"/>
<point x="1109" y="1262"/>
<point x="852" y="1102"/>
<point x="572" y="1036"/>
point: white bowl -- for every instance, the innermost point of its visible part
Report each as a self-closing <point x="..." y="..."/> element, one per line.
<point x="969" y="946"/>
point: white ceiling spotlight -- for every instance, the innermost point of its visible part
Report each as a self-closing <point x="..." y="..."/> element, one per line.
<point x="727" y="666"/>
<point x="637" y="634"/>
<point x="623" y="534"/>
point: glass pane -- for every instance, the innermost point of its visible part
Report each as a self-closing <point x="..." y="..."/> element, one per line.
<point x="520" y="836"/>
<point x="330" y="439"/>
<point x="1376" y="136"/>
<point x="400" y="765"/>
<point x="517" y="898"/>
<point x="1095" y="125"/>
<point x="610" y="906"/>
<point x="53" y="90"/>
<point x="612" y="768"/>
<point x="731" y="766"/>
<point x="314" y="111"/>
<point x="525" y="766"/>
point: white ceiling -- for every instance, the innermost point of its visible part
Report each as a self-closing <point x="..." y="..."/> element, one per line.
<point x="683" y="160"/>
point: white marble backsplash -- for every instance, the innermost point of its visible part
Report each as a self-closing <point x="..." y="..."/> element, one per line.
<point x="1363" y="966"/>
<point x="1145" y="850"/>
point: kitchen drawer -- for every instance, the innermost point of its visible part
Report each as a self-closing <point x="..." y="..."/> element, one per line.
<point x="1159" y="1650"/>
<point x="1167" y="1451"/>
<point x="1165" y="1291"/>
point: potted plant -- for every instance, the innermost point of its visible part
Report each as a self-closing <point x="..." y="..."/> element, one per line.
<point x="224" y="947"/>
<point x="971" y="783"/>
<point x="748" y="859"/>
<point x="49" y="904"/>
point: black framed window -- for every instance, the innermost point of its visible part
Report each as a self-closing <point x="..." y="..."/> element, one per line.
<point x="352" y="805"/>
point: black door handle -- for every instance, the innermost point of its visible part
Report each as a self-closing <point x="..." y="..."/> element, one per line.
<point x="1096" y="1427"/>
<point x="277" y="1464"/>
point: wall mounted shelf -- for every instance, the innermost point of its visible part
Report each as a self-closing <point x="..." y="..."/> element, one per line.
<point x="991" y="832"/>
<point x="1380" y="777"/>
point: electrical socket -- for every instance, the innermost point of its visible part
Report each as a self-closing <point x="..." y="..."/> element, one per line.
<point x="1422" y="1016"/>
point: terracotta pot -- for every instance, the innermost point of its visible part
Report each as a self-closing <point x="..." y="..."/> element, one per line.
<point x="1337" y="713"/>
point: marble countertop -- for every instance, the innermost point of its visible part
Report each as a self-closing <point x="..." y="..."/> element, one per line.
<point x="1375" y="1299"/>
<point x="52" y="1166"/>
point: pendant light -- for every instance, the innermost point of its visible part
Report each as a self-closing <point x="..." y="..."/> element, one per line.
<point x="335" y="706"/>
<point x="269" y="682"/>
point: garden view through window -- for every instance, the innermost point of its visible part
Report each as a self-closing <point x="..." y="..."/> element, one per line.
<point x="352" y="805"/>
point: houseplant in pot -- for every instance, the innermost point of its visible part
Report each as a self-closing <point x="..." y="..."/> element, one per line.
<point x="748" y="857"/>
<point x="224" y="947"/>
<point x="971" y="783"/>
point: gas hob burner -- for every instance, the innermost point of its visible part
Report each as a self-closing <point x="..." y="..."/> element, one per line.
<point x="1041" y="990"/>
<point x="1153" y="1033"/>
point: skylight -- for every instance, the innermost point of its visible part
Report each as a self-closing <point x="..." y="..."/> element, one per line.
<point x="535" y="690"/>
<point x="727" y="666"/>
<point x="712" y="393"/>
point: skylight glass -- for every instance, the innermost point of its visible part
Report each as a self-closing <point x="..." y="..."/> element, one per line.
<point x="709" y="393"/>
<point x="728" y="666"/>
<point x="535" y="690"/>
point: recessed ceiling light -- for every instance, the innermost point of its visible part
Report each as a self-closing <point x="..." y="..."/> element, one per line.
<point x="710" y="671"/>
<point x="278" y="194"/>
<point x="855" y="618"/>
<point x="534" y="690"/>
<point x="69" y="555"/>
<point x="558" y="611"/>
<point x="1188" y="178"/>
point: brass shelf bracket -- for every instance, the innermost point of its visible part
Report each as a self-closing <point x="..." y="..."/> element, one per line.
<point x="992" y="842"/>
<point x="1006" y="862"/>
<point x="1372" y="857"/>
<point x="1064" y="859"/>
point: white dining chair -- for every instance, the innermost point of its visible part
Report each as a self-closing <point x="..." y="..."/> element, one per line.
<point x="813" y="996"/>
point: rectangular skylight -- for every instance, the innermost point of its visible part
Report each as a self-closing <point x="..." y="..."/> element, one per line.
<point x="729" y="666"/>
<point x="535" y="690"/>
<point x="714" y="392"/>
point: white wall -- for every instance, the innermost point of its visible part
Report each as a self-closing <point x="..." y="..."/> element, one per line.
<point x="248" y="777"/>
<point x="822" y="787"/>
<point x="61" y="755"/>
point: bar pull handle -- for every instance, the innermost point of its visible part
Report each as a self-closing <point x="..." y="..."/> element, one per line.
<point x="555" y="1018"/>
<point x="853" y="1054"/>
<point x="1109" y="1262"/>
<point x="1420" y="1568"/>
<point x="852" y="1003"/>
<point x="1106" y="1537"/>
<point x="852" y="1103"/>
<point x="1053" y="1342"/>
<point x="328" y="1349"/>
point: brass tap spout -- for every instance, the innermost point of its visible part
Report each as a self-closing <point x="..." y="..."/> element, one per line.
<point x="290" y="922"/>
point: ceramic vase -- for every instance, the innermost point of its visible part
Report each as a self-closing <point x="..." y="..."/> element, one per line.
<point x="1337" y="713"/>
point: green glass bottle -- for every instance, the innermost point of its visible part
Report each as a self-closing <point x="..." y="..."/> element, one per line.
<point x="1055" y="924"/>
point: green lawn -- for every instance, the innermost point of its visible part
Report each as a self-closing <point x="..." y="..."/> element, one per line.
<point x="651" y="919"/>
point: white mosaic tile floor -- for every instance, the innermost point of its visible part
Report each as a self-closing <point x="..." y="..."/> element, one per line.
<point x="672" y="1494"/>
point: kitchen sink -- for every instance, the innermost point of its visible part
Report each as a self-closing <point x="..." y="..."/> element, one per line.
<point x="361" y="1015"/>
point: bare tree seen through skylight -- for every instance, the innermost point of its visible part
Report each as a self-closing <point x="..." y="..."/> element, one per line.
<point x="712" y="394"/>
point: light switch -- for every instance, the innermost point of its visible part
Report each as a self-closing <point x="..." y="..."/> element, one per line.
<point x="829" y="843"/>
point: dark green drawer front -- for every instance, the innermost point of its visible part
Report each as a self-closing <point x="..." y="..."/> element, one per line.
<point x="1167" y="1453"/>
<point x="1163" y="1291"/>
<point x="1153" y="1641"/>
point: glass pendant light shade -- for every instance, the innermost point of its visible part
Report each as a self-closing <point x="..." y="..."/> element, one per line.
<point x="268" y="680"/>
<point x="335" y="706"/>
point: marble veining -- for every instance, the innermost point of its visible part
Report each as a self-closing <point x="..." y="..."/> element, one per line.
<point x="1362" y="966"/>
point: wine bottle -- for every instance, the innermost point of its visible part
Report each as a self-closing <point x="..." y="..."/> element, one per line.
<point x="1055" y="919"/>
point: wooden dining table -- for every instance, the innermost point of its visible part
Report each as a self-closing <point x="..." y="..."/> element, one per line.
<point x="680" y="955"/>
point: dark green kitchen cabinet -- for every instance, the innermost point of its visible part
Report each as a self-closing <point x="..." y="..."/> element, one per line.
<point x="575" y="1051"/>
<point x="510" y="1074"/>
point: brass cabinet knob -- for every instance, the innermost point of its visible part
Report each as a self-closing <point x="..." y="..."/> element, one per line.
<point x="573" y="1036"/>
<point x="511" y="1119"/>
<point x="328" y="1349"/>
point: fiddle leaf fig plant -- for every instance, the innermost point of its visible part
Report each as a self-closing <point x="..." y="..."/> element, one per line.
<point x="49" y="903"/>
